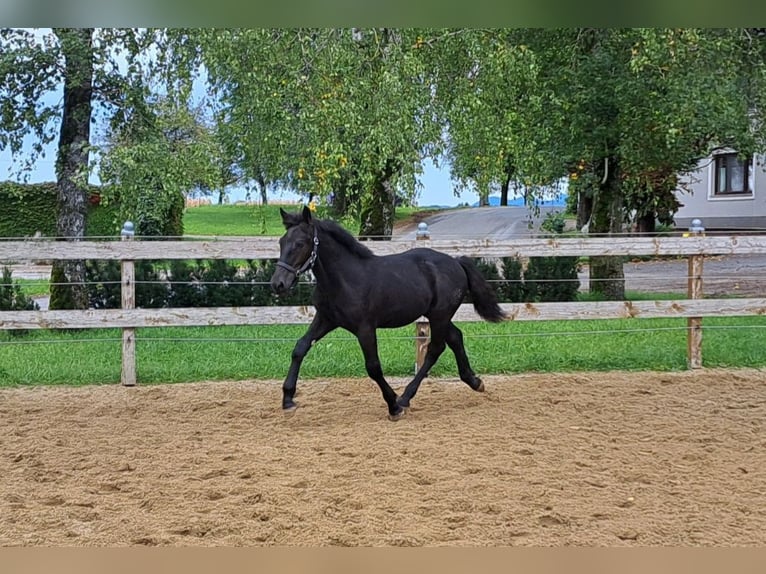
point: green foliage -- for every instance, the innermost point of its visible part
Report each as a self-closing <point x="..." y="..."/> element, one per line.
<point x="351" y="114"/>
<point x="488" y="269"/>
<point x="556" y="102"/>
<point x="228" y="284"/>
<point x="198" y="283"/>
<point x="103" y="279"/>
<point x="554" y="222"/>
<point x="544" y="279"/>
<point x="61" y="298"/>
<point x="488" y="92"/>
<point x="27" y="209"/>
<point x="512" y="289"/>
<point x="156" y="215"/>
<point x="31" y="208"/>
<point x="13" y="298"/>
<point x="551" y="279"/>
<point x="160" y="153"/>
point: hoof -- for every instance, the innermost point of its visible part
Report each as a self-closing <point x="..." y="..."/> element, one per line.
<point x="397" y="416"/>
<point x="480" y="388"/>
<point x="290" y="409"/>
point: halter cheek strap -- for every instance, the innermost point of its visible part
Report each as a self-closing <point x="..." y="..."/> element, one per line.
<point x="308" y="264"/>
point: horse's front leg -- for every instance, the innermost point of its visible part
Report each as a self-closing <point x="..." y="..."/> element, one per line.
<point x="319" y="328"/>
<point x="368" y="340"/>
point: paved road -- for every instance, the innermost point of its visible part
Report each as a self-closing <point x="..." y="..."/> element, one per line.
<point x="738" y="275"/>
<point x="733" y="275"/>
<point x="481" y="222"/>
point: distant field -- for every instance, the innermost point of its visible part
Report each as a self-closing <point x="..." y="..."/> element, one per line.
<point x="210" y="220"/>
<point x="244" y="220"/>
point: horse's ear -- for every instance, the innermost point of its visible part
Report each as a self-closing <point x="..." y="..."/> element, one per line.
<point x="306" y="214"/>
<point x="288" y="219"/>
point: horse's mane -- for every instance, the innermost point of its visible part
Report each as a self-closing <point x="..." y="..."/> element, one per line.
<point x="344" y="238"/>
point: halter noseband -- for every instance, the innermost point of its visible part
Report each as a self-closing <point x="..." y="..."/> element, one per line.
<point x="308" y="264"/>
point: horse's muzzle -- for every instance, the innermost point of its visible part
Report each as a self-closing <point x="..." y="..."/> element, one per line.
<point x="283" y="281"/>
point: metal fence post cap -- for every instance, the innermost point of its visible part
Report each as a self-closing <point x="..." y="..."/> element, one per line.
<point x="696" y="226"/>
<point x="128" y="229"/>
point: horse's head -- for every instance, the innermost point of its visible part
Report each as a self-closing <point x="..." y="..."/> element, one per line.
<point x="297" y="249"/>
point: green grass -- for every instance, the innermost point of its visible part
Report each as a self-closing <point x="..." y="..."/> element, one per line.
<point x="247" y="220"/>
<point x="229" y="220"/>
<point x="33" y="287"/>
<point x="173" y="355"/>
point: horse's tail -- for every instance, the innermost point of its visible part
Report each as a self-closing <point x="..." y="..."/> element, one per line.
<point x="482" y="294"/>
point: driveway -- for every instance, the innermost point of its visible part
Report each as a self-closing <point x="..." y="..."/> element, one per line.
<point x="742" y="275"/>
<point x="481" y="222"/>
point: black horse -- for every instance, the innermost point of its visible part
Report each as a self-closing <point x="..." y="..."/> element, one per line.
<point x="361" y="292"/>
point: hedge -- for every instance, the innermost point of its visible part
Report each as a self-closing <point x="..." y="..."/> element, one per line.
<point x="29" y="208"/>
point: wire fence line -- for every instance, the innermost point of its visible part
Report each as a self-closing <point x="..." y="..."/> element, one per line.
<point x="353" y="340"/>
<point x="226" y="283"/>
<point x="694" y="248"/>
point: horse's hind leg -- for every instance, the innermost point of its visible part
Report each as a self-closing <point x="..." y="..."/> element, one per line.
<point x="318" y="329"/>
<point x="368" y="340"/>
<point x="455" y="342"/>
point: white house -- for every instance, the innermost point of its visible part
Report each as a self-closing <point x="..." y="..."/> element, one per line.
<point x="725" y="192"/>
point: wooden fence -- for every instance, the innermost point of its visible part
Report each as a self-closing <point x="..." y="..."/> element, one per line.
<point x="128" y="318"/>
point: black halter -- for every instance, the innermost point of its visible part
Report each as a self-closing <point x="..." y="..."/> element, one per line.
<point x="308" y="264"/>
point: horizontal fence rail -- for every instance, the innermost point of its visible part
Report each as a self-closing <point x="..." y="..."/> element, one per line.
<point x="268" y="247"/>
<point x="693" y="247"/>
<point x="302" y="315"/>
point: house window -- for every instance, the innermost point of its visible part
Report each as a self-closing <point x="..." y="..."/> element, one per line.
<point x="732" y="175"/>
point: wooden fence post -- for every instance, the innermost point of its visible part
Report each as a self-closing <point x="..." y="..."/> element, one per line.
<point x="422" y="328"/>
<point x="128" y="300"/>
<point x="694" y="291"/>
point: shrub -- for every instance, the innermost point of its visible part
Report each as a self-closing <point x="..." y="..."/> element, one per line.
<point x="104" y="284"/>
<point x="12" y="298"/>
<point x="554" y="222"/>
<point x="551" y="279"/>
<point x="197" y="283"/>
<point x="512" y="285"/>
<point x="490" y="272"/>
<point x="155" y="215"/>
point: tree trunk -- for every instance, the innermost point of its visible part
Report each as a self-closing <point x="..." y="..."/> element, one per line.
<point x="509" y="171"/>
<point x="263" y="188"/>
<point x="646" y="223"/>
<point x="606" y="273"/>
<point x="504" y="190"/>
<point x="72" y="164"/>
<point x="379" y="211"/>
<point x="584" y="209"/>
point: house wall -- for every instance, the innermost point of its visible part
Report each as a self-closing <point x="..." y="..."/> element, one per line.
<point x="748" y="212"/>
